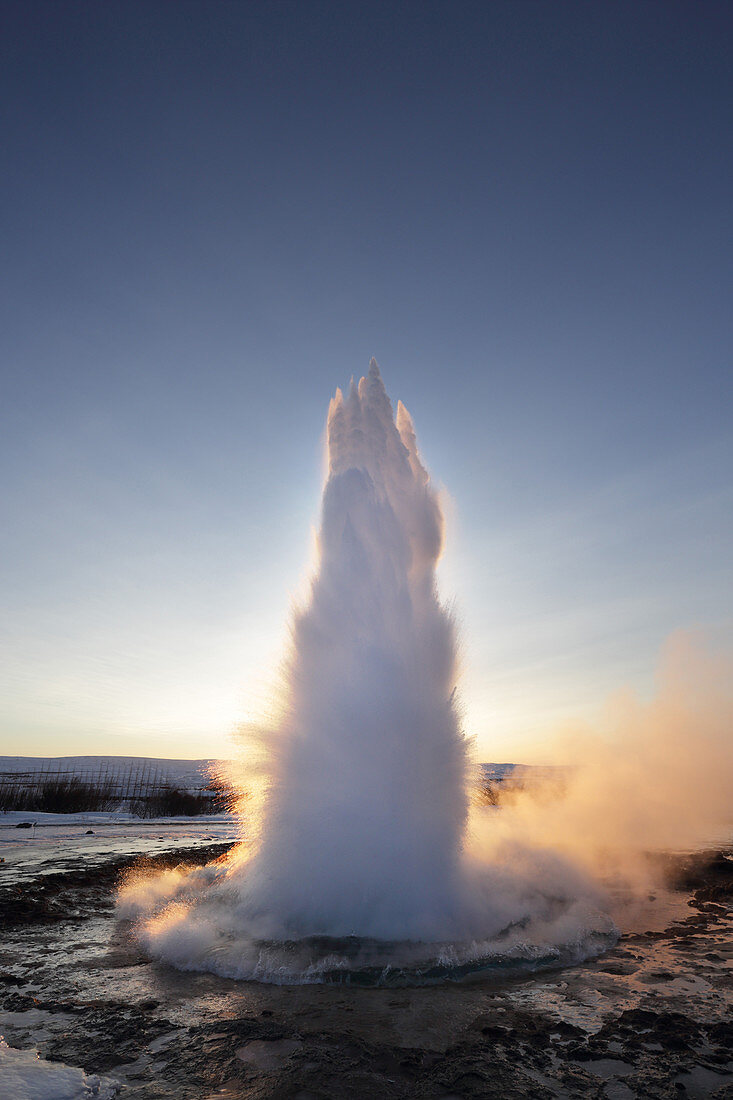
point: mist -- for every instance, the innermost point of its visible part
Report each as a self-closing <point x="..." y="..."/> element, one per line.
<point x="653" y="775"/>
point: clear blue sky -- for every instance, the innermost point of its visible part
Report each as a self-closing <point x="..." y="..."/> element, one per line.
<point x="214" y="213"/>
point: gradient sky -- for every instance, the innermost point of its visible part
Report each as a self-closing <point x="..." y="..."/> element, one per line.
<point x="215" y="213"/>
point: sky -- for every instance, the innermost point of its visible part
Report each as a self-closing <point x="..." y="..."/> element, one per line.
<point x="214" y="214"/>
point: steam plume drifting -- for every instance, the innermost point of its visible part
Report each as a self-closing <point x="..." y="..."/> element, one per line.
<point x="652" y="776"/>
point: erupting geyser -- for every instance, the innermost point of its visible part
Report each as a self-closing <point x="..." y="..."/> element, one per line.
<point x="365" y="815"/>
<point x="359" y="860"/>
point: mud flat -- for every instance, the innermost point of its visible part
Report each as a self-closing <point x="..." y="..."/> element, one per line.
<point x="651" y="1018"/>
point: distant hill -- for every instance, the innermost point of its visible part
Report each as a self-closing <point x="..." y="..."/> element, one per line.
<point x="122" y="771"/>
<point x="144" y="786"/>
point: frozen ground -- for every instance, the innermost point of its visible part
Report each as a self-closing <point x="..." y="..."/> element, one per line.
<point x="24" y="1075"/>
<point x="59" y="842"/>
<point x="652" y="1018"/>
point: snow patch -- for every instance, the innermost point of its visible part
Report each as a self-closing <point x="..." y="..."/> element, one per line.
<point x="24" y="1075"/>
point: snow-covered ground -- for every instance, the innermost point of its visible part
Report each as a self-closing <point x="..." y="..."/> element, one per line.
<point x="66" y="844"/>
<point x="59" y="840"/>
<point x="107" y="819"/>
<point x="24" y="1075"/>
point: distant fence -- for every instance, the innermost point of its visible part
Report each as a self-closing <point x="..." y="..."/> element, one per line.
<point x="144" y="790"/>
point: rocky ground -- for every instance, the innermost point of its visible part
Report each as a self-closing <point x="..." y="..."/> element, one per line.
<point x="651" y="1018"/>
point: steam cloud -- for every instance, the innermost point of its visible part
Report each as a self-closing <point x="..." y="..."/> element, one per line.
<point x="654" y="775"/>
<point x="359" y="832"/>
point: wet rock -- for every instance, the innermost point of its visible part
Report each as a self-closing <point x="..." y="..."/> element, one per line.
<point x="268" y="1055"/>
<point x="618" y="967"/>
<point x="722" y="1035"/>
<point x="12" y="979"/>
